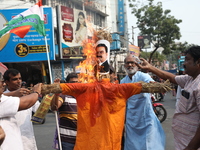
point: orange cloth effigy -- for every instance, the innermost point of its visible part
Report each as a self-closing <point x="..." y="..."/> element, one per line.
<point x="101" y="112"/>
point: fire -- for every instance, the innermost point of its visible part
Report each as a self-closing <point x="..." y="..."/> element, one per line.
<point x="89" y="67"/>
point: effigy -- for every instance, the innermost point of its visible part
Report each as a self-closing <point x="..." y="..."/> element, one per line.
<point x="101" y="104"/>
<point x="101" y="109"/>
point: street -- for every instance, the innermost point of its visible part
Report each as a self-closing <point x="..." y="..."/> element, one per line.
<point x="44" y="133"/>
<point x="169" y="104"/>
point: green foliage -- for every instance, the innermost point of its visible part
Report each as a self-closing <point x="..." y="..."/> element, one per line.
<point x="152" y="20"/>
<point x="156" y="57"/>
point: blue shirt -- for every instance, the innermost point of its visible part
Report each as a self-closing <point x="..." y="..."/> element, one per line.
<point x="143" y="130"/>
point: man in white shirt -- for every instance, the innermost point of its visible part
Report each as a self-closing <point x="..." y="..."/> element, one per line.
<point x="9" y="106"/>
<point x="13" y="80"/>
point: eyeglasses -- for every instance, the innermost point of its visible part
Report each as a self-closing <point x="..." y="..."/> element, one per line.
<point x="130" y="62"/>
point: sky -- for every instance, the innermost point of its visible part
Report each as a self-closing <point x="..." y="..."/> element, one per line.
<point x="186" y="10"/>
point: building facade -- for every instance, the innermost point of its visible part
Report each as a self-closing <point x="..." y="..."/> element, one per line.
<point x="110" y="14"/>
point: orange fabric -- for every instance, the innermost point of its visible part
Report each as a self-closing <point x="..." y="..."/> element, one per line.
<point x="21" y="31"/>
<point x="101" y="112"/>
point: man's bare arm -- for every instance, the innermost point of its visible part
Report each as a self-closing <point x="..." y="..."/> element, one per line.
<point x="160" y="73"/>
<point x="18" y="93"/>
<point x="29" y="100"/>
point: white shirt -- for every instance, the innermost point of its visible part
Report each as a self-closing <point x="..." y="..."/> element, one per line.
<point x="26" y="127"/>
<point x="8" y="108"/>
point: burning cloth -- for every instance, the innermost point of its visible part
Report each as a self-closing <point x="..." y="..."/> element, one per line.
<point x="101" y="110"/>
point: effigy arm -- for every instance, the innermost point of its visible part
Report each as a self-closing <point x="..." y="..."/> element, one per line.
<point x="51" y="88"/>
<point x="156" y="87"/>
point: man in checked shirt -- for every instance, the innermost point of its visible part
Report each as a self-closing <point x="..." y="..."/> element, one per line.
<point x="186" y="120"/>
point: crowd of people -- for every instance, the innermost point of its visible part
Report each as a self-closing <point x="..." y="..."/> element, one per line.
<point x="99" y="115"/>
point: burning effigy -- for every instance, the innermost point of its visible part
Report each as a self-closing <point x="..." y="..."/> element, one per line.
<point x="101" y="104"/>
<point x="91" y="69"/>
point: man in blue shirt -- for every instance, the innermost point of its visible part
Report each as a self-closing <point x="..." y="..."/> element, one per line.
<point x="143" y="130"/>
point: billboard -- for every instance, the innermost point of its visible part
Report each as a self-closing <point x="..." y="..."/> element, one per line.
<point x="72" y="31"/>
<point x="121" y="17"/>
<point x="134" y="50"/>
<point x="30" y="48"/>
<point x="144" y="42"/>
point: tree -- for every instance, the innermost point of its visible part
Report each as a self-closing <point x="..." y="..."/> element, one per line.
<point x="153" y="21"/>
<point x="157" y="58"/>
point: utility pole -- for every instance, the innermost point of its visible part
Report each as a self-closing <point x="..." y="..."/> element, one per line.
<point x="133" y="34"/>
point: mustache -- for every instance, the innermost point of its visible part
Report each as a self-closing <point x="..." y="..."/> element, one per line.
<point x="99" y="56"/>
<point x="130" y="68"/>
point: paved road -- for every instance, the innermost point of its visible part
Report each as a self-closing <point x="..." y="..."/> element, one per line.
<point x="169" y="104"/>
<point x="45" y="133"/>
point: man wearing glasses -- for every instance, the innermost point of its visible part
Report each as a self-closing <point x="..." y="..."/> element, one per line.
<point x="142" y="127"/>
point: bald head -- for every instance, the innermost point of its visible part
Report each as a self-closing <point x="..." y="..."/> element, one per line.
<point x="131" y="56"/>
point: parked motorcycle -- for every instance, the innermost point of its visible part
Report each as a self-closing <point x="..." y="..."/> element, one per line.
<point x="159" y="96"/>
<point x="159" y="109"/>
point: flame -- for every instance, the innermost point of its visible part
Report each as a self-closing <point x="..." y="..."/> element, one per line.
<point x="89" y="67"/>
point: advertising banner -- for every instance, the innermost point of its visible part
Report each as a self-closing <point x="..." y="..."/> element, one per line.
<point x="30" y="48"/>
<point x="121" y="17"/>
<point x="134" y="50"/>
<point x="144" y="42"/>
<point x="73" y="31"/>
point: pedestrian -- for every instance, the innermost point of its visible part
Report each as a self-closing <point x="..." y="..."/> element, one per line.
<point x="101" y="110"/>
<point x="9" y="106"/>
<point x="143" y="130"/>
<point x="67" y="110"/>
<point x="13" y="80"/>
<point x="186" y="119"/>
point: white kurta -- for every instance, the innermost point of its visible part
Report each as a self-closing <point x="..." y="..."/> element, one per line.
<point x="26" y="127"/>
<point x="143" y="129"/>
<point x="8" y="108"/>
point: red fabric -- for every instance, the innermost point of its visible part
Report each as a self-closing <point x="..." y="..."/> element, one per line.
<point x="21" y="31"/>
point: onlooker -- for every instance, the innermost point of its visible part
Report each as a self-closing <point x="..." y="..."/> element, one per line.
<point x="13" y="80"/>
<point x="142" y="127"/>
<point x="186" y="120"/>
<point x="67" y="109"/>
<point x="8" y="108"/>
